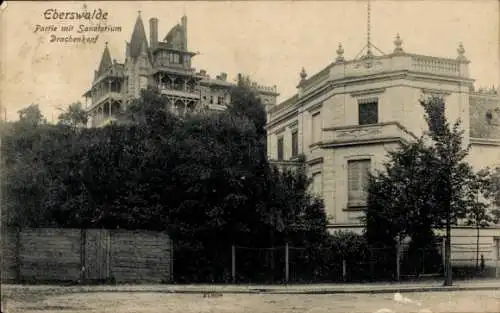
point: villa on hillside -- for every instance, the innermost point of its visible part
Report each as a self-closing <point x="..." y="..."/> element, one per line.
<point x="165" y="64"/>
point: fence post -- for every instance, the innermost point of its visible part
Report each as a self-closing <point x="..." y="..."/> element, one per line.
<point x="172" y="277"/>
<point x="19" y="275"/>
<point x="83" y="252"/>
<point x="287" y="268"/>
<point x="372" y="278"/>
<point x="233" y="263"/>
<point x="398" y="258"/>
<point x="443" y="248"/>
<point x="344" y="270"/>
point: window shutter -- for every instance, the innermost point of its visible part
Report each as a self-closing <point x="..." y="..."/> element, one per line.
<point x="357" y="176"/>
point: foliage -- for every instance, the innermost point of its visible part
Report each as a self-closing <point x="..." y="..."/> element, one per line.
<point x="31" y="116"/>
<point x="398" y="196"/>
<point x="425" y="184"/>
<point x="204" y="179"/>
<point x="74" y="116"/>
<point x="491" y="191"/>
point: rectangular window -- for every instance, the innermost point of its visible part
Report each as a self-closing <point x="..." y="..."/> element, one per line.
<point x="316" y="127"/>
<point x="280" y="148"/>
<point x="357" y="176"/>
<point x="368" y="112"/>
<point x="317" y="184"/>
<point x="295" y="143"/>
<point x="497" y="248"/>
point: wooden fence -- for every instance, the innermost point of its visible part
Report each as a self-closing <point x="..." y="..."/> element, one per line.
<point x="56" y="255"/>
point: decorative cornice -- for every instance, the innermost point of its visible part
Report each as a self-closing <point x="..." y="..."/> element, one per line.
<point x="315" y="93"/>
<point x="345" y="127"/>
<point x="315" y="107"/>
<point x="373" y="91"/>
<point x="285" y="162"/>
<point x="428" y="91"/>
<point x="279" y="131"/>
<point x="484" y="141"/>
<point x="315" y="161"/>
<point x="361" y="142"/>
<point x="282" y="118"/>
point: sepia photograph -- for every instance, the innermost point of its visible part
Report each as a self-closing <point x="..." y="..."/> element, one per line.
<point x="250" y="156"/>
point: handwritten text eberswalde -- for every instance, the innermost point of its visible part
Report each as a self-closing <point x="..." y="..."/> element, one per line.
<point x="54" y="14"/>
<point x="62" y="26"/>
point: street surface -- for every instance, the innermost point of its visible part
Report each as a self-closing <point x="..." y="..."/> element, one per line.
<point x="43" y="299"/>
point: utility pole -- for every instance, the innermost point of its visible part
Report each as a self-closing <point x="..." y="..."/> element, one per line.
<point x="1" y="215"/>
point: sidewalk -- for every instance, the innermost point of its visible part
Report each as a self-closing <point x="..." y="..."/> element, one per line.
<point x="486" y="284"/>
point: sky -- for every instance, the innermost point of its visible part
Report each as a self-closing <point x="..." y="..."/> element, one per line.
<point x="269" y="40"/>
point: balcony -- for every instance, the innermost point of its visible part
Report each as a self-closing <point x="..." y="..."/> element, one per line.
<point x="365" y="134"/>
<point x="194" y="94"/>
<point x="107" y="96"/>
<point x="217" y="107"/>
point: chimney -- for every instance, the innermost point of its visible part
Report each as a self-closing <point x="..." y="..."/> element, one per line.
<point x="223" y="76"/>
<point x="153" y="32"/>
<point x="184" y="21"/>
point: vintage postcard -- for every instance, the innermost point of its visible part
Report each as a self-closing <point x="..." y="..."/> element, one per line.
<point x="250" y="156"/>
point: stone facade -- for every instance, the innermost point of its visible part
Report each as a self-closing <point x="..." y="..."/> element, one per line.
<point x="352" y="112"/>
<point x="163" y="64"/>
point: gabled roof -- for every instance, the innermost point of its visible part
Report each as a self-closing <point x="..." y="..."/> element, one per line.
<point x="106" y="61"/>
<point x="138" y="38"/>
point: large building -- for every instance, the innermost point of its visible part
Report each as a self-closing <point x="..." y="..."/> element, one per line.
<point x="165" y="64"/>
<point x="344" y="118"/>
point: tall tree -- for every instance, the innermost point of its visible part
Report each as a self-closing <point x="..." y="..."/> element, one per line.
<point x="398" y="206"/>
<point x="451" y="174"/>
<point x="425" y="184"/>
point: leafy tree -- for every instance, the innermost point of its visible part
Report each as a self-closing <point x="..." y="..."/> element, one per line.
<point x="478" y="214"/>
<point x="74" y="115"/>
<point x="398" y="203"/>
<point x="426" y="184"/>
<point x="491" y="191"/>
<point x="451" y="174"/>
<point x="31" y="116"/>
<point x="203" y="179"/>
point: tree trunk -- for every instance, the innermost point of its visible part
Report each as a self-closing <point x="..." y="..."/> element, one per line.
<point x="447" y="252"/>
<point x="477" y="248"/>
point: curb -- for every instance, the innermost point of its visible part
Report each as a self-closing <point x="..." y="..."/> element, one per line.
<point x="283" y="291"/>
<point x="298" y="292"/>
<point x="337" y="291"/>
